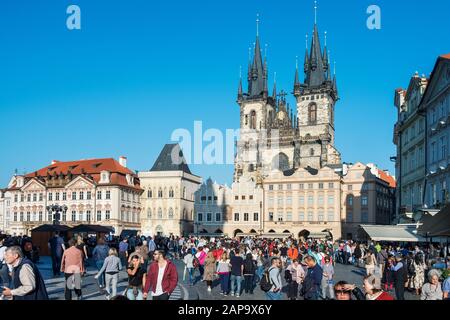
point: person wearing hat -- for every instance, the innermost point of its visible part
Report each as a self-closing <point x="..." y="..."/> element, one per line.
<point x="400" y="277"/>
<point x="372" y="286"/>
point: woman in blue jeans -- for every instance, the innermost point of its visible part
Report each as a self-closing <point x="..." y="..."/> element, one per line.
<point x="223" y="270"/>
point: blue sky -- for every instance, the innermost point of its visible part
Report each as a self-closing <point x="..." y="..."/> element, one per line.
<point x="139" y="69"/>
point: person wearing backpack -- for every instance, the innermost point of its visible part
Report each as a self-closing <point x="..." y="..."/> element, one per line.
<point x="249" y="273"/>
<point x="274" y="278"/>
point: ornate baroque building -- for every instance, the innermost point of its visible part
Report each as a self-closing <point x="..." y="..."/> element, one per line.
<point x="96" y="191"/>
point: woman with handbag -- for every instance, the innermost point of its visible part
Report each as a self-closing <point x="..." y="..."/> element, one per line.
<point x="136" y="279"/>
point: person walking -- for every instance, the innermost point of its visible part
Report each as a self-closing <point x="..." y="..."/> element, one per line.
<point x="162" y="277"/>
<point x="123" y="251"/>
<point x="313" y="280"/>
<point x="111" y="267"/>
<point x="100" y="253"/>
<point x="210" y="270"/>
<point x="151" y="248"/>
<point x="56" y="247"/>
<point x="237" y="269"/>
<point x="223" y="270"/>
<point x="418" y="275"/>
<point x="72" y="266"/>
<point x="400" y="277"/>
<point x="249" y="272"/>
<point x="275" y="279"/>
<point x="201" y="256"/>
<point x="297" y="276"/>
<point x="259" y="266"/>
<point x="370" y="262"/>
<point x="189" y="265"/>
<point x="83" y="248"/>
<point x="136" y="279"/>
<point x="327" y="279"/>
<point x="27" y="281"/>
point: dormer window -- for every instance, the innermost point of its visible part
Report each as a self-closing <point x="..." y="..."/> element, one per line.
<point x="105" y="177"/>
<point x="129" y="179"/>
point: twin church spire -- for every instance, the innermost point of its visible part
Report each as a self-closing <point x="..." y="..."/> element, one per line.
<point x="317" y="73"/>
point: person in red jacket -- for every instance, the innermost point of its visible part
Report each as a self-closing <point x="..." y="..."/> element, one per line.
<point x="372" y="286"/>
<point x="162" y="277"/>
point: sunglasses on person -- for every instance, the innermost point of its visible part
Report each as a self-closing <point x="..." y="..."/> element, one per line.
<point x="342" y="291"/>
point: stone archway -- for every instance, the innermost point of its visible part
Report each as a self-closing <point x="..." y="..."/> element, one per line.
<point x="236" y="232"/>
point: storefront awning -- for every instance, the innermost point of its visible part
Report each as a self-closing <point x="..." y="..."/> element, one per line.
<point x="391" y="233"/>
<point x="318" y="235"/>
<point x="275" y="235"/>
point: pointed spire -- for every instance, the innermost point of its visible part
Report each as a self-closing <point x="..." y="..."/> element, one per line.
<point x="315" y="12"/>
<point x="315" y="75"/>
<point x="296" y="79"/>
<point x="257" y="81"/>
<point x="240" y="92"/>
<point x="274" y="93"/>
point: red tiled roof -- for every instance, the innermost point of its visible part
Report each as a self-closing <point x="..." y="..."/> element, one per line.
<point x="91" y="167"/>
<point x="446" y="56"/>
<point x="387" y="178"/>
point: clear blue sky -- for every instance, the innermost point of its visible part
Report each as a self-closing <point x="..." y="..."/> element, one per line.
<point x="140" y="69"/>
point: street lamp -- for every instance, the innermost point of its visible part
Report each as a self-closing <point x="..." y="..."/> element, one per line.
<point x="197" y="224"/>
<point x="56" y="210"/>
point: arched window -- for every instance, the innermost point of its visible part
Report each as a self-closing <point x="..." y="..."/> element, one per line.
<point x="280" y="162"/>
<point x="170" y="213"/>
<point x="312" y="113"/>
<point x="253" y="119"/>
<point x="160" y="193"/>
<point x="160" y="213"/>
<point x="149" y="193"/>
<point x="149" y="213"/>
<point x="311" y="152"/>
<point x="171" y="194"/>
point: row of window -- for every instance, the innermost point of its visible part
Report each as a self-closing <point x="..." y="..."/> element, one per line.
<point x="57" y="196"/>
<point x="364" y="217"/>
<point x="301" y="216"/>
<point x="208" y="217"/>
<point x="301" y="200"/>
<point x="439" y="150"/>
<point x="364" y="201"/>
<point x="160" y="214"/>
<point x="33" y="216"/>
<point x="301" y="186"/>
<point x="416" y="129"/>
<point x="246" y="217"/>
<point x="161" y="193"/>
<point x="129" y="196"/>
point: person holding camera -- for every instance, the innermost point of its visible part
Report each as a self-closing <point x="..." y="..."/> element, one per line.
<point x="136" y="279"/>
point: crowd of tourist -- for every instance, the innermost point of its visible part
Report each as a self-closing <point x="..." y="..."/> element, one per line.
<point x="281" y="269"/>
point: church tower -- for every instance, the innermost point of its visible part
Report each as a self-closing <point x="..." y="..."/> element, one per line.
<point x="257" y="113"/>
<point x="316" y="98"/>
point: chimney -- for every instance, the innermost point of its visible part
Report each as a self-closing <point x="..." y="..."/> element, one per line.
<point x="123" y="161"/>
<point x="54" y="162"/>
